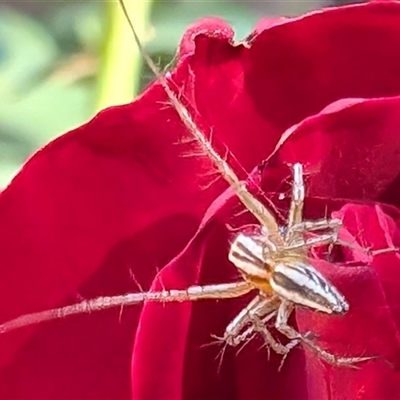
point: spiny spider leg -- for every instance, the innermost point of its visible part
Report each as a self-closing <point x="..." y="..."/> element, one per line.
<point x="260" y="212"/>
<point x="332" y="238"/>
<point x="249" y="332"/>
<point x="259" y="306"/>
<point x="259" y="327"/>
<point x="297" y="203"/>
<point x="232" y="337"/>
<point x="296" y="226"/>
<point x="316" y="241"/>
<point x="218" y="291"/>
<point x="333" y="224"/>
<point x="260" y="310"/>
<point x="367" y="251"/>
<point x="257" y="313"/>
<point x="282" y="326"/>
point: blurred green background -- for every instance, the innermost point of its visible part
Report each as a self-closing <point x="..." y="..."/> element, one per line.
<point x="62" y="61"/>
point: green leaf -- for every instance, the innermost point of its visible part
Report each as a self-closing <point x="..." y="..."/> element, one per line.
<point x="35" y="107"/>
<point x="26" y="49"/>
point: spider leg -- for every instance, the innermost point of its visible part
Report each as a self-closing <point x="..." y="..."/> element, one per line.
<point x="296" y="227"/>
<point x="324" y="224"/>
<point x="368" y="251"/>
<point x="333" y="225"/>
<point x="319" y="240"/>
<point x="257" y="313"/>
<point x="282" y="326"/>
<point x="262" y="214"/>
<point x="332" y="239"/>
<point x="260" y="305"/>
<point x="297" y="203"/>
<point x="218" y="291"/>
<point x="250" y="331"/>
<point x="232" y="336"/>
<point x="259" y="326"/>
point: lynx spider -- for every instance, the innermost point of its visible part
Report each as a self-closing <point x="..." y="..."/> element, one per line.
<point x="271" y="260"/>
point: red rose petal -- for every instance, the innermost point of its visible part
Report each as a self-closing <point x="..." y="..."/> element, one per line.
<point x="354" y="152"/>
<point x="290" y="71"/>
<point x="215" y="28"/>
<point x="301" y="65"/>
<point x="242" y="91"/>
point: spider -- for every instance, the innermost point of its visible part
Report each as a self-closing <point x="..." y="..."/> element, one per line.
<point x="276" y="263"/>
<point x="273" y="261"/>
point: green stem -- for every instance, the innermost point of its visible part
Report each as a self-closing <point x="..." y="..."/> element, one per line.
<point x="120" y="61"/>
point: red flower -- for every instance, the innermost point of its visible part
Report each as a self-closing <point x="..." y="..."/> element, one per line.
<point x="115" y="196"/>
